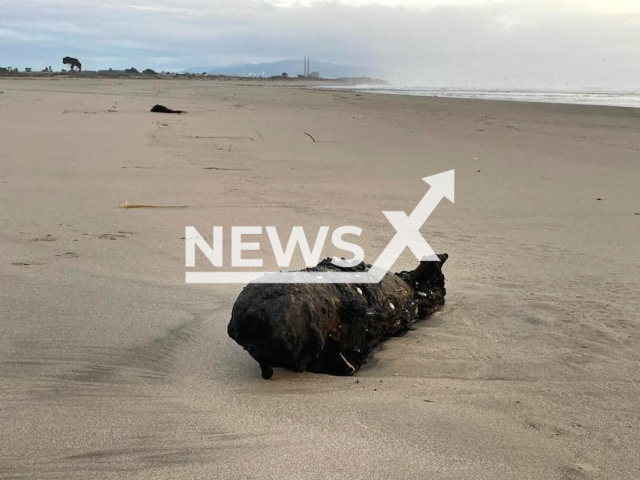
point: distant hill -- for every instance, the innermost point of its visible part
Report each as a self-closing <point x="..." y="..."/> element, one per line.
<point x="292" y="67"/>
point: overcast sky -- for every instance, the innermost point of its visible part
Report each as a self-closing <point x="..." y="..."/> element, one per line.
<point x="508" y="43"/>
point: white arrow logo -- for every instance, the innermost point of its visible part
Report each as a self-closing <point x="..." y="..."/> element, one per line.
<point x="408" y="228"/>
<point x="407" y="235"/>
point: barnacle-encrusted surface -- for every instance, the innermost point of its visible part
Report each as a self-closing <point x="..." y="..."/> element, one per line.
<point x="332" y="328"/>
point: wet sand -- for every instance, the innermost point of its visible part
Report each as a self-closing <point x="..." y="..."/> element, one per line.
<point x="112" y="367"/>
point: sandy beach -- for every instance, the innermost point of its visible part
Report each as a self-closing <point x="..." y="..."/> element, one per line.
<point x="112" y="367"/>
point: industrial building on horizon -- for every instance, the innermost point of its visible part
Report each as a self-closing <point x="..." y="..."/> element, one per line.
<point x="307" y="69"/>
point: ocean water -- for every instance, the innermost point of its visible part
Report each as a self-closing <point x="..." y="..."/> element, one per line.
<point x="586" y="97"/>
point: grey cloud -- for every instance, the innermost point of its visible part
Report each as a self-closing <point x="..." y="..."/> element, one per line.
<point x="508" y="44"/>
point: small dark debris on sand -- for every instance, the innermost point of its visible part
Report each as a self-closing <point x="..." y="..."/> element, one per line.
<point x="162" y="109"/>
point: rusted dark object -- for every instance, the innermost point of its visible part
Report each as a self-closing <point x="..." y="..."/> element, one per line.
<point x="332" y="328"/>
<point x="163" y="109"/>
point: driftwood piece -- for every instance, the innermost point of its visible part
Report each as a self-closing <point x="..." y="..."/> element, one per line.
<point x="332" y="328"/>
<point x="163" y="109"/>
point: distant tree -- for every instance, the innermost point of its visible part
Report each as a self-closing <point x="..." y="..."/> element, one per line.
<point x="73" y="63"/>
<point x="131" y="70"/>
<point x="285" y="75"/>
<point x="149" y="71"/>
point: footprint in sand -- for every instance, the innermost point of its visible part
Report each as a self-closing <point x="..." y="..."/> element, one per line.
<point x="578" y="471"/>
<point x="20" y="263"/>
<point x="115" y="236"/>
<point x="47" y="238"/>
<point x="67" y="255"/>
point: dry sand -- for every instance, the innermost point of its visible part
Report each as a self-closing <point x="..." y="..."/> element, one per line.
<point x="112" y="367"/>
